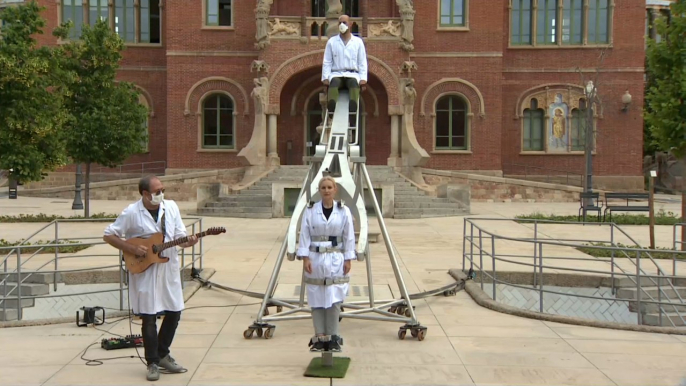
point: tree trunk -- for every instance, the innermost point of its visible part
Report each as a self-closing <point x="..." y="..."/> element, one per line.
<point x="88" y="191"/>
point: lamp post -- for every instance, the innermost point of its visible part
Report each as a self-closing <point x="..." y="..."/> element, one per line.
<point x="77" y="204"/>
<point x="591" y="92"/>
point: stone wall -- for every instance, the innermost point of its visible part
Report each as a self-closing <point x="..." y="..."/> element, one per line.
<point x="179" y="187"/>
<point x="60" y="179"/>
<point x="498" y="189"/>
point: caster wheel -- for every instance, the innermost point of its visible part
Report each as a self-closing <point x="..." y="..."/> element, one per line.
<point x="247" y="334"/>
<point x="279" y="309"/>
<point x="268" y="333"/>
<point x="399" y="310"/>
<point x="392" y="310"/>
<point x="401" y="334"/>
<point x="258" y="332"/>
<point x="266" y="312"/>
<point x="414" y="333"/>
<point x="421" y="334"/>
<point x="408" y="313"/>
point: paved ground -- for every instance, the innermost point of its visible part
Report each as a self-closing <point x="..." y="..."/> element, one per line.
<point x="466" y="344"/>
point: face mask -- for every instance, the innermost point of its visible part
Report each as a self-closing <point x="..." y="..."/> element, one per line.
<point x="156" y="200"/>
<point x="343" y="28"/>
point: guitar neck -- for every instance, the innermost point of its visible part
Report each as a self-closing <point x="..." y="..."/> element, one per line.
<point x="179" y="241"/>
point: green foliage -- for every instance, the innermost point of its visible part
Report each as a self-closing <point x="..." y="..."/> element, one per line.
<point x="665" y="112"/>
<point x="106" y="124"/>
<point x="71" y="246"/>
<point x="42" y="217"/>
<point x="31" y="113"/>
<point x="597" y="252"/>
<point x="661" y="218"/>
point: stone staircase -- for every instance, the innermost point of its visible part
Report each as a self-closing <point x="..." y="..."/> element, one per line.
<point x="33" y="284"/>
<point x="256" y="201"/>
<point x="651" y="312"/>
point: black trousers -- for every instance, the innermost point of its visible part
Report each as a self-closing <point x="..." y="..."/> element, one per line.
<point x="157" y="345"/>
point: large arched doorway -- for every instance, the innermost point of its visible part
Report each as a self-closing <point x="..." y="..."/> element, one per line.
<point x="301" y="113"/>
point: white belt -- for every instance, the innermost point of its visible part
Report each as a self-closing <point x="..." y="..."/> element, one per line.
<point x="328" y="280"/>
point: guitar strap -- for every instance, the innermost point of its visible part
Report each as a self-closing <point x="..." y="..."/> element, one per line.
<point x="164" y="226"/>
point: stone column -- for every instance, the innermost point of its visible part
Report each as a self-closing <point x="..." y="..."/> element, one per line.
<point x="335" y="10"/>
<point x="273" y="151"/>
<point x="393" y="160"/>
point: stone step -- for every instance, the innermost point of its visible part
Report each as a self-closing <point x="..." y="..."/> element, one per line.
<point x="32" y="277"/>
<point x="418" y="205"/>
<point x="649" y="308"/>
<point x="8" y="314"/>
<point x="238" y="204"/>
<point x="238" y="215"/>
<point x="653" y="319"/>
<point x="12" y="303"/>
<point x="419" y="198"/>
<point x="247" y="198"/>
<point x="646" y="283"/>
<point x="27" y="289"/>
<point x="438" y="212"/>
<point x="238" y="209"/>
<point x="666" y="292"/>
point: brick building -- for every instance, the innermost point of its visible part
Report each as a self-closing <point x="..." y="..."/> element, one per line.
<point x="492" y="86"/>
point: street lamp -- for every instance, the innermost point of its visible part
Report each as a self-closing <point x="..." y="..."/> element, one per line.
<point x="77" y="204"/>
<point x="591" y="92"/>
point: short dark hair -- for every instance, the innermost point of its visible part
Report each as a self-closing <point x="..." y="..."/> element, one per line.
<point x="144" y="183"/>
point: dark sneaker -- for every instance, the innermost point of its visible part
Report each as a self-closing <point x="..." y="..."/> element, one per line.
<point x="335" y="343"/>
<point x="352" y="107"/>
<point x="316" y="345"/>
<point x="168" y="363"/>
<point x="331" y="106"/>
<point x="153" y="372"/>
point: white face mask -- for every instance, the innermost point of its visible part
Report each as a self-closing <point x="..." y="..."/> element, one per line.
<point x="343" y="28"/>
<point x="157" y="199"/>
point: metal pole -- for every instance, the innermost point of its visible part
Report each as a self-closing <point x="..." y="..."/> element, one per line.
<point x="651" y="210"/>
<point x="57" y="241"/>
<point x="77" y="204"/>
<point x="481" y="261"/>
<point x="540" y="281"/>
<point x="612" y="258"/>
<point x="464" y="240"/>
<point x="638" y="287"/>
<point x="193" y="248"/>
<point x="471" y="247"/>
<point x="19" y="309"/>
<point x="535" y="249"/>
<point x="493" y="255"/>
<point x="121" y="281"/>
<point x="659" y="297"/>
<point x="201" y="250"/>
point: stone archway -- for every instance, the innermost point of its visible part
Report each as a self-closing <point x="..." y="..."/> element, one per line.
<point x="313" y="59"/>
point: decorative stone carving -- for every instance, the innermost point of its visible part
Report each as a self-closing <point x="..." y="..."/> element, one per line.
<point x="259" y="66"/>
<point x="407" y="67"/>
<point x="279" y="28"/>
<point x="392" y="28"/>
<point x="262" y="23"/>
<point x="334" y="11"/>
<point x="413" y="155"/>
<point x="255" y="152"/>
<point x="407" y="13"/>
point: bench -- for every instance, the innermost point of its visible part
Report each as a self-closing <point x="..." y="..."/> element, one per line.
<point x="625" y="207"/>
<point x="594" y="206"/>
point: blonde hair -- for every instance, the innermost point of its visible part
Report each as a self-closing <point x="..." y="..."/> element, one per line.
<point x="327" y="178"/>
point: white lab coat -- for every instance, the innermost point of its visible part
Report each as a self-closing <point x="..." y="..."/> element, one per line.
<point x="158" y="288"/>
<point x="339" y="56"/>
<point x="329" y="264"/>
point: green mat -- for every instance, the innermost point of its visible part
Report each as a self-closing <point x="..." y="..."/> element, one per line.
<point x="338" y="370"/>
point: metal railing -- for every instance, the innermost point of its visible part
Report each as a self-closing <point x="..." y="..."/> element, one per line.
<point x="474" y="252"/>
<point x="12" y="290"/>
<point x="554" y="176"/>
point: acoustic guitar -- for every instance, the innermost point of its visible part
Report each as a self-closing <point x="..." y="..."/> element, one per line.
<point x="138" y="264"/>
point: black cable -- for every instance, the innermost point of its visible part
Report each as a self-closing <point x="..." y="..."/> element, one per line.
<point x="99" y="361"/>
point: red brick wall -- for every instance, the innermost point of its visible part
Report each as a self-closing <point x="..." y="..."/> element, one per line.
<point x="479" y="57"/>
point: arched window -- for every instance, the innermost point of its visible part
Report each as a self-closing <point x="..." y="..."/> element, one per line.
<point x="578" y="130"/>
<point x="452" y="125"/>
<point x="217" y="122"/>
<point x="534" y="123"/>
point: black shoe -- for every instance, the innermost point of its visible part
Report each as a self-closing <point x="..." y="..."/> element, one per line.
<point x="331" y="106"/>
<point x="352" y="107"/>
<point x="335" y="344"/>
<point x="316" y="345"/>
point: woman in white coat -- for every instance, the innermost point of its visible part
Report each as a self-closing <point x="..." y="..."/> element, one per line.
<point x="327" y="246"/>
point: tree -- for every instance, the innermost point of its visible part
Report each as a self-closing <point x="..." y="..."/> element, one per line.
<point x="31" y="113"/>
<point x="107" y="120"/>
<point x="665" y="111"/>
